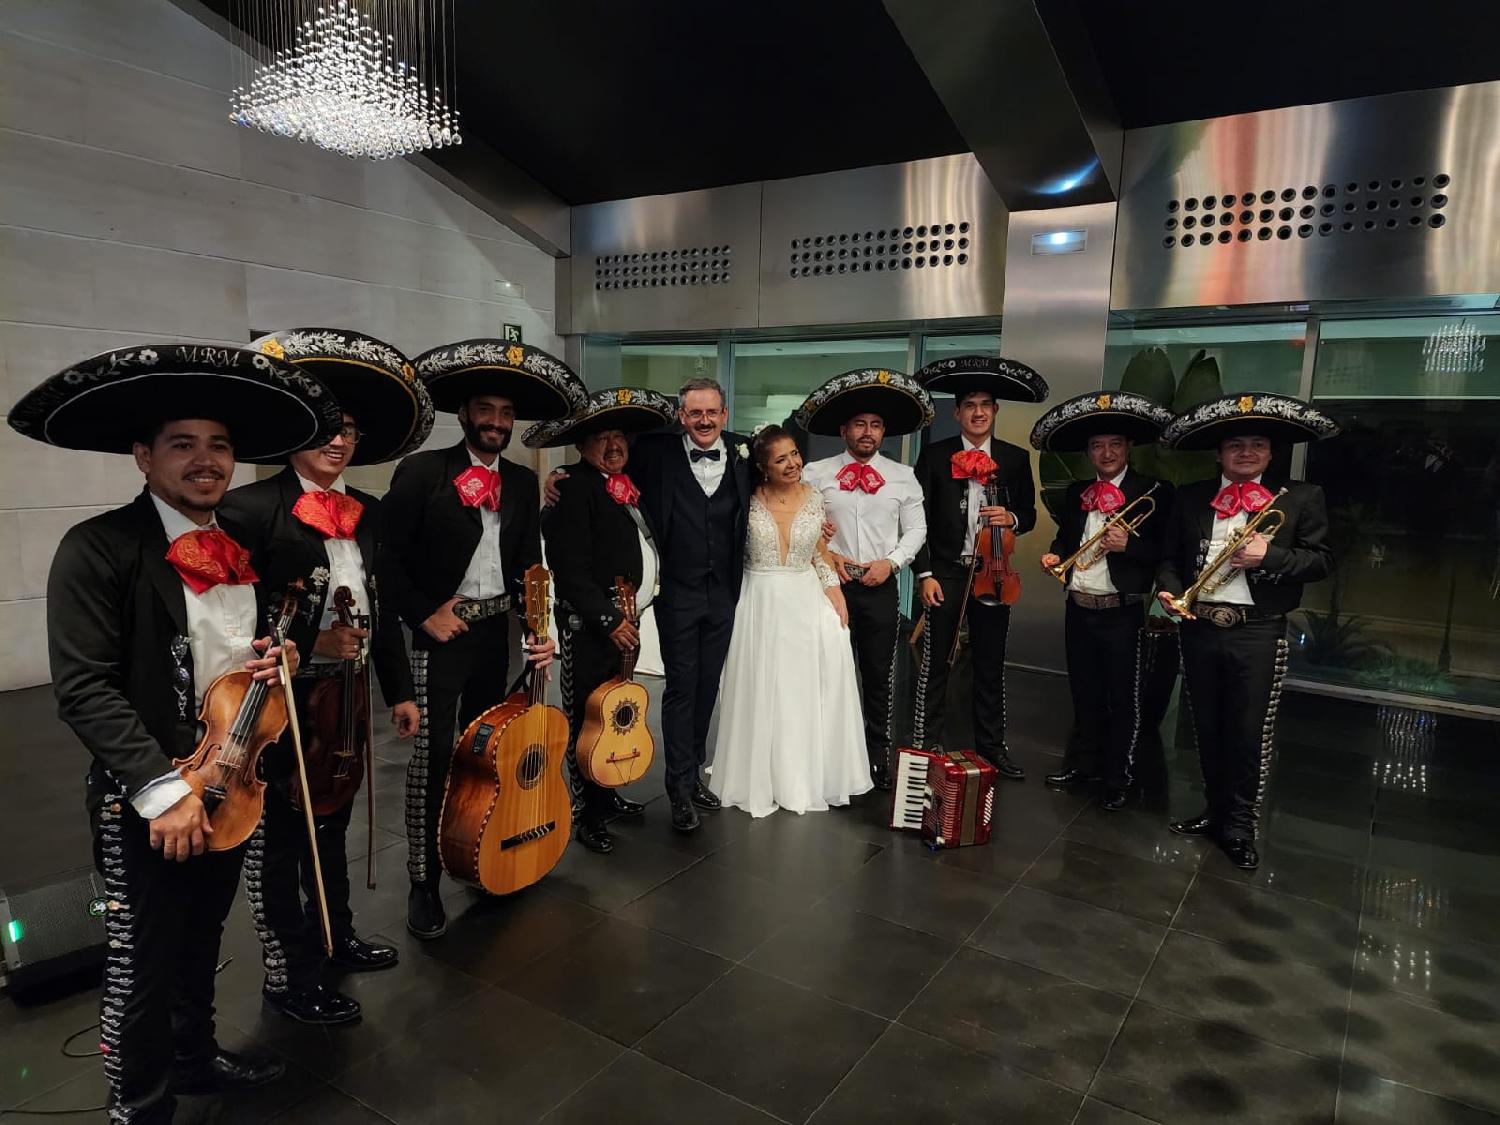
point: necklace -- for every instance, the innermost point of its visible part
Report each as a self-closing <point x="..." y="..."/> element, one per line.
<point x="780" y="499"/>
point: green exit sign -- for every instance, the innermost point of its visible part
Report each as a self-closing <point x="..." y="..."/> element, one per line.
<point x="511" y="333"/>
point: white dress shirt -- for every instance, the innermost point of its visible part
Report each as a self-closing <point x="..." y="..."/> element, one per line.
<point x="709" y="471"/>
<point x="346" y="567"/>
<point x="976" y="494"/>
<point x="221" y="627"/>
<point x="485" y="577"/>
<point x="891" y="524"/>
<point x="1237" y="590"/>
<point x="1096" y="579"/>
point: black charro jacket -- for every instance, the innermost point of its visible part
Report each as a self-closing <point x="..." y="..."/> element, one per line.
<point x="946" y="501"/>
<point x="1132" y="570"/>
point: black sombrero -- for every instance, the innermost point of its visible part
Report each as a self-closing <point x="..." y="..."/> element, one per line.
<point x="540" y="385"/>
<point x="371" y="380"/>
<point x="962" y="375"/>
<point x="110" y="401"/>
<point x="1067" y="427"/>
<point x="631" y="409"/>
<point x="898" y="398"/>
<point x="1280" y="418"/>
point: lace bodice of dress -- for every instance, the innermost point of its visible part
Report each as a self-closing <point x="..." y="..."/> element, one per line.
<point x="763" y="543"/>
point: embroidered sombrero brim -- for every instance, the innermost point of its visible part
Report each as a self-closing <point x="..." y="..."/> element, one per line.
<point x="899" y="399"/>
<point x="632" y="410"/>
<point x="1280" y="418"/>
<point x="1068" y="426"/>
<point x="110" y="401"/>
<point x="541" y="386"/>
<point x="1006" y="379"/>
<point x="371" y="380"/>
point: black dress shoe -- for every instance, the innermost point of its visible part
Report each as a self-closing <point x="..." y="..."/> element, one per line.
<point x="684" y="816"/>
<point x="622" y="806"/>
<point x="1070" y="776"/>
<point x="1008" y="769"/>
<point x="1241" y="853"/>
<point x="222" y="1072"/>
<point x="362" y="956"/>
<point x="704" y="799"/>
<point x="314" y="1005"/>
<point x="1113" y="800"/>
<point x="595" y="837"/>
<point x="1200" y="825"/>
<point x="880" y="777"/>
<point x="425" y="918"/>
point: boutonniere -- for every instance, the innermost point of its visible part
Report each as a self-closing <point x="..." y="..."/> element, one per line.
<point x="743" y="451"/>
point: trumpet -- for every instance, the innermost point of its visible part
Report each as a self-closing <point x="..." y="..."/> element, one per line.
<point x="1217" y="572"/>
<point x="1090" y="550"/>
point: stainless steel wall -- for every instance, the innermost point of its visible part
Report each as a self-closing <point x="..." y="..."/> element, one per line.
<point x="1394" y="196"/>
<point x="921" y="240"/>
<point x="1056" y="316"/>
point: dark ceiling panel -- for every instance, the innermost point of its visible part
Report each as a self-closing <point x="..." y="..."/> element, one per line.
<point x="1181" y="60"/>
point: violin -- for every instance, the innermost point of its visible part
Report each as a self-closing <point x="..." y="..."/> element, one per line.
<point x="508" y="809"/>
<point x="338" y="715"/>
<point x="995" y="581"/>
<point x="241" y="716"/>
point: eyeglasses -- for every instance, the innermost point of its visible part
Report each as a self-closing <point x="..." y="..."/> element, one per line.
<point x="350" y="433"/>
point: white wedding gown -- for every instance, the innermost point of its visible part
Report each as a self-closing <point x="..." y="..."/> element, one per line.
<point x="791" y="733"/>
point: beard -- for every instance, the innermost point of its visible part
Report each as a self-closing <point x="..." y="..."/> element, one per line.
<point x="485" y="439"/>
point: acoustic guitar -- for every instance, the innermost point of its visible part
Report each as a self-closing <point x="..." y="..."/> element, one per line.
<point x="615" y="746"/>
<point x="508" y="810"/>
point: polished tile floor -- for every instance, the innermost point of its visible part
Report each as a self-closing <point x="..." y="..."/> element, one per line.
<point x="1084" y="967"/>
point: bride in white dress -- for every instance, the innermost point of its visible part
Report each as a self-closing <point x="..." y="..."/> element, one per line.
<point x="791" y="733"/>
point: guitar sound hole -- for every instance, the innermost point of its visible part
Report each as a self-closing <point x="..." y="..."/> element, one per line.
<point x="624" y="716"/>
<point x="529" y="768"/>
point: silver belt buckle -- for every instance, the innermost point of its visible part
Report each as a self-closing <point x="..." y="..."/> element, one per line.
<point x="1224" y="616"/>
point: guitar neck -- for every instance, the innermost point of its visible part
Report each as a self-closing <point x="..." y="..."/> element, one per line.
<point x="627" y="664"/>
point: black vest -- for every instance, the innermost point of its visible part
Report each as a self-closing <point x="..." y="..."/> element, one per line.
<point x="702" y="545"/>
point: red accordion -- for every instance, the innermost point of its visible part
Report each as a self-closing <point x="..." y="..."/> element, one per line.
<point x="949" y="797"/>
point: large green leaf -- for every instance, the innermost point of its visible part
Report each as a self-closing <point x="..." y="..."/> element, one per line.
<point x="1149" y="373"/>
<point x="1200" y="383"/>
<point x="1058" y="471"/>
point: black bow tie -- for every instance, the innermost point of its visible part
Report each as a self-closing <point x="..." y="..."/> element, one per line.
<point x="698" y="454"/>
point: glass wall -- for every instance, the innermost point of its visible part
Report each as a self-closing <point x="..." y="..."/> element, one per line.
<point x="771" y="379"/>
<point x="665" y="367"/>
<point x="1413" y="489"/>
<point x="1249" y="357"/>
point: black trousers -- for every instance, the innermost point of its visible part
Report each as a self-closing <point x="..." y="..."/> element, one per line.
<point x="280" y="883"/>
<point x="694" y="627"/>
<point x="989" y="626"/>
<point x="1233" y="684"/>
<point x="164" y="922"/>
<point x="587" y="661"/>
<point x="874" y="633"/>
<point x="1103" y="652"/>
<point x="455" y="683"/>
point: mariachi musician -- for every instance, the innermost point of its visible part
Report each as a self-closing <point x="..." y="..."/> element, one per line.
<point x="875" y="505"/>
<point x="596" y="532"/>
<point x="147" y="605"/>
<point x="1110" y="529"/>
<point x="307" y="523"/>
<point x="462" y="525"/>
<point x="959" y="476"/>
<point x="1233" y="636"/>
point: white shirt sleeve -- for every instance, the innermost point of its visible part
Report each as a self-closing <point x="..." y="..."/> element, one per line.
<point x="912" y="526"/>
<point x="156" y="797"/>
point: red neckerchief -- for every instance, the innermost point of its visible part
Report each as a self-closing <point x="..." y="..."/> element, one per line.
<point x="334" y="515"/>
<point x="208" y="557"/>
<point x="479" y="487"/>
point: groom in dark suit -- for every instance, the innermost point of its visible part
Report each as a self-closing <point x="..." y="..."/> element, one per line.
<point x="695" y="489"/>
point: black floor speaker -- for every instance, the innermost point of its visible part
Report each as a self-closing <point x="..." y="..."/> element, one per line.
<point x="53" y="932"/>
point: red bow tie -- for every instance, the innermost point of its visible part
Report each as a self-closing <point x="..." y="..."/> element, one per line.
<point x="621" y="489"/>
<point x="861" y="477"/>
<point x="1242" y="496"/>
<point x="333" y="515"/>
<point x="209" y="558"/>
<point x="1102" y="496"/>
<point x="479" y="487"/>
<point x="973" y="464"/>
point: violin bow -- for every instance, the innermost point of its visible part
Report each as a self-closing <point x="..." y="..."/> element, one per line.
<point x="312" y="828"/>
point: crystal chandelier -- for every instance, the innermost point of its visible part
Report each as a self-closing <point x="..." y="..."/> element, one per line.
<point x="360" y="77"/>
